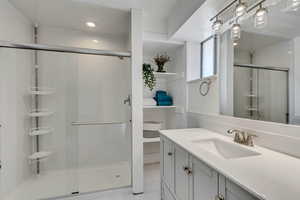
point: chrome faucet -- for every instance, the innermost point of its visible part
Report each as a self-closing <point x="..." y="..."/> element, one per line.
<point x="242" y="137"/>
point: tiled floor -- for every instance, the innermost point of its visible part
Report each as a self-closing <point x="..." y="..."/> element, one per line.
<point x="152" y="189"/>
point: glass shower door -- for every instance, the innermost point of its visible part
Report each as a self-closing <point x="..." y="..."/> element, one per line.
<point x="101" y="123"/>
<point x="273" y="95"/>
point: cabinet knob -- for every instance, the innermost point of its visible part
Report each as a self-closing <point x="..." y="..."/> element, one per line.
<point x="170" y="154"/>
<point x="189" y="171"/>
<point x="185" y="169"/>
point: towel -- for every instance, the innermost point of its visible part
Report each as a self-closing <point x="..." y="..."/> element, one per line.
<point x="163" y="98"/>
<point x="160" y="92"/>
<point x="164" y="103"/>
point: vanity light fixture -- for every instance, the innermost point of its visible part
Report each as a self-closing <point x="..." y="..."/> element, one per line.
<point x="240" y="9"/>
<point x="90" y="24"/>
<point x="293" y="4"/>
<point x="235" y="43"/>
<point x="217" y="25"/>
<point x="261" y="17"/>
<point x="236" y="32"/>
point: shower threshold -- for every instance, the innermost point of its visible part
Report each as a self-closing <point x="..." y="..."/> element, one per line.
<point x="62" y="183"/>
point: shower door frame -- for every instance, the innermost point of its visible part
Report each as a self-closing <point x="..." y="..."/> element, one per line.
<point x="72" y="50"/>
<point x="272" y="68"/>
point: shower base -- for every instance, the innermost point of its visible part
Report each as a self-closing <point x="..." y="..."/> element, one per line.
<point x="64" y="182"/>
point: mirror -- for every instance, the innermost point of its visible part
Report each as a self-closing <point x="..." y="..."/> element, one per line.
<point x="262" y="80"/>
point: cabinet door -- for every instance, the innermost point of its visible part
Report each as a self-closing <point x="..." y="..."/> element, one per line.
<point x="181" y="176"/>
<point x="168" y="164"/>
<point x="167" y="195"/>
<point x="204" y="181"/>
<point x="231" y="191"/>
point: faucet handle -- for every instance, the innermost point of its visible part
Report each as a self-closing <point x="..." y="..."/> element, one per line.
<point x="249" y="140"/>
<point x="231" y="131"/>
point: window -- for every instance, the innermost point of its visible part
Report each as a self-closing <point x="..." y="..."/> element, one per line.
<point x="208" y="57"/>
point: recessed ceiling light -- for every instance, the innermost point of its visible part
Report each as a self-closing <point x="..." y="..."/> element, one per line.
<point x="90" y="24"/>
<point x="96" y="41"/>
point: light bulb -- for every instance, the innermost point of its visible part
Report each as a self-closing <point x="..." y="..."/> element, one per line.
<point x="90" y="24"/>
<point x="235" y="43"/>
<point x="240" y="9"/>
<point x="236" y="32"/>
<point x="217" y="26"/>
<point x="293" y="4"/>
<point x="261" y="18"/>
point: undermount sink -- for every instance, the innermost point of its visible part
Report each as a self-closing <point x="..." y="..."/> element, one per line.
<point x="224" y="149"/>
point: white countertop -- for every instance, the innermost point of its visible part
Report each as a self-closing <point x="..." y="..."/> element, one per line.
<point x="269" y="176"/>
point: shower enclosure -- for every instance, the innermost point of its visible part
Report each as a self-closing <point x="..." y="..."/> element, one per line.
<point x="261" y="93"/>
<point x="66" y="127"/>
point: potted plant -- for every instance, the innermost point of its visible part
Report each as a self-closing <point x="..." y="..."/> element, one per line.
<point x="161" y="60"/>
<point x="149" y="78"/>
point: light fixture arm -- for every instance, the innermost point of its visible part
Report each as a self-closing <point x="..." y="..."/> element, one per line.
<point x="231" y="4"/>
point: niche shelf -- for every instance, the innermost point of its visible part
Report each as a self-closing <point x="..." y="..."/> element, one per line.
<point x="40" y="155"/>
<point x="151" y="140"/>
<point x="40" y="113"/>
<point x="41" y="91"/>
<point x="40" y="131"/>
<point x="164" y="74"/>
<point x="152" y="126"/>
<point x="159" y="107"/>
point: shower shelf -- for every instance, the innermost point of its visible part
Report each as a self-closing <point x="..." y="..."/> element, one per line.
<point x="251" y="95"/>
<point x="40" y="155"/>
<point x="41" y="91"/>
<point x="40" y="113"/>
<point x="152" y="126"/>
<point x="40" y="131"/>
<point x="252" y="109"/>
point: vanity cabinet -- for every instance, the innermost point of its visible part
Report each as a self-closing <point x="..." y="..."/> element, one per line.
<point x="185" y="177"/>
<point x="231" y="191"/>
<point x="204" y="181"/>
<point x="182" y="175"/>
<point x="168" y="164"/>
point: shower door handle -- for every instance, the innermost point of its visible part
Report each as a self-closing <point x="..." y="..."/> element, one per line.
<point x="127" y="100"/>
<point x="95" y="123"/>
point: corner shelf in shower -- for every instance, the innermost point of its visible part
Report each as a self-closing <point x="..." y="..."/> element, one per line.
<point x="252" y="109"/>
<point x="40" y="131"/>
<point x="40" y="113"/>
<point x="39" y="155"/>
<point x="41" y="91"/>
<point x="251" y="96"/>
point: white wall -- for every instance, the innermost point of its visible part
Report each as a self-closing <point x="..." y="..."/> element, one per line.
<point x="15" y="80"/>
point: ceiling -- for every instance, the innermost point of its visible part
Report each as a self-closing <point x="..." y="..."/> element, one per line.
<point x="110" y="16"/>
